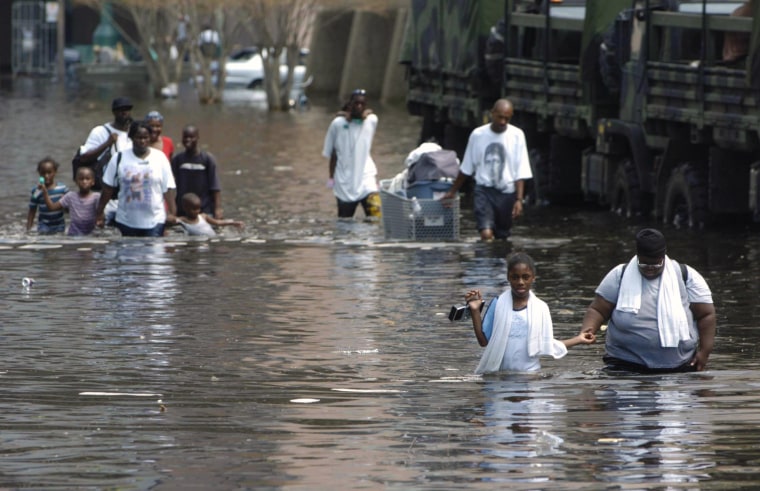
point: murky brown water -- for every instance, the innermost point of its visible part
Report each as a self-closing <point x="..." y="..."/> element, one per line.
<point x="228" y="335"/>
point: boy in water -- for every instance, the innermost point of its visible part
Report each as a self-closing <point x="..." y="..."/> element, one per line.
<point x="195" y="172"/>
<point x="82" y="206"/>
<point x="196" y="223"/>
<point x="50" y="221"/>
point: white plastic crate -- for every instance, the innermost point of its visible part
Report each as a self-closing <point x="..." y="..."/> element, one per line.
<point x="418" y="219"/>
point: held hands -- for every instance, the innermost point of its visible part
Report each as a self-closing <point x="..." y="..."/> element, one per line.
<point x="330" y="183"/>
<point x="586" y="338"/>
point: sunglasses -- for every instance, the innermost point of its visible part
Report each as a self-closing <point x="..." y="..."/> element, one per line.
<point x="651" y="265"/>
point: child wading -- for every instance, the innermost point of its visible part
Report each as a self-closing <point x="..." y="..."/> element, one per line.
<point x="50" y="221"/>
<point x="82" y="206"/>
<point x="196" y="223"/>
<point x="517" y="327"/>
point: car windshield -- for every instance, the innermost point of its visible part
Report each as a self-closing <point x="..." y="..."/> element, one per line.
<point x="244" y="54"/>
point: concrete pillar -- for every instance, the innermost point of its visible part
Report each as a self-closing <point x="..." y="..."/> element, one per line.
<point x="367" y="54"/>
<point x="394" y="83"/>
<point x="328" y="49"/>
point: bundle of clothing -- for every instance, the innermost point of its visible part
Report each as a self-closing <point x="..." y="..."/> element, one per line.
<point x="426" y="163"/>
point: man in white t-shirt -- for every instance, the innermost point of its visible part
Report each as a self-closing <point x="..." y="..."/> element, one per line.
<point x="497" y="156"/>
<point x="353" y="174"/>
<point x="111" y="135"/>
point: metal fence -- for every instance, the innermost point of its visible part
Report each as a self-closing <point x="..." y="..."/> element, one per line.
<point x="33" y="38"/>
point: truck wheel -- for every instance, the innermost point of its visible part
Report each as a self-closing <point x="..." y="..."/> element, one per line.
<point x="686" y="198"/>
<point x="626" y="194"/>
<point x="563" y="185"/>
<point x="536" y="191"/>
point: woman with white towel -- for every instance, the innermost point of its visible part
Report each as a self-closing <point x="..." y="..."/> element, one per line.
<point x="517" y="327"/>
<point x="660" y="314"/>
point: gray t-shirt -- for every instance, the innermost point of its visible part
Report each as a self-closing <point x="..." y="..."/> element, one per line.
<point x="635" y="338"/>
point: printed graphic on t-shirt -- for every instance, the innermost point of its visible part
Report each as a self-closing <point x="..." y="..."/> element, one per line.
<point x="192" y="166"/>
<point x="136" y="185"/>
<point x="495" y="160"/>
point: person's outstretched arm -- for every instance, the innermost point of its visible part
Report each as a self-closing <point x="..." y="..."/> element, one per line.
<point x="597" y="314"/>
<point x="223" y="223"/>
<point x="582" y="338"/>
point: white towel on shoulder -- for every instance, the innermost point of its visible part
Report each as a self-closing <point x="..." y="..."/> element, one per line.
<point x="540" y="333"/>
<point x="671" y="317"/>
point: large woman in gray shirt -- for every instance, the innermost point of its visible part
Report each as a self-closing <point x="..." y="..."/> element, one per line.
<point x="660" y="313"/>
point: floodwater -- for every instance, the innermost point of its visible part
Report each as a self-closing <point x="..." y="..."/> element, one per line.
<point x="308" y="354"/>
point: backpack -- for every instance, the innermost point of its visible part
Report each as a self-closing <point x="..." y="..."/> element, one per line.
<point x="97" y="167"/>
<point x="115" y="187"/>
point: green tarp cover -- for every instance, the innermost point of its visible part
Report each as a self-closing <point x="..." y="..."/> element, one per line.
<point x="448" y="35"/>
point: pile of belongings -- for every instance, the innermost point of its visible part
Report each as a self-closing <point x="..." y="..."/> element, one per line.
<point x="427" y="163"/>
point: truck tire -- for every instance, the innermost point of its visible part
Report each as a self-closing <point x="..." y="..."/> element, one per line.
<point x="626" y="193"/>
<point x="686" y="197"/>
<point x="539" y="167"/>
<point x="563" y="183"/>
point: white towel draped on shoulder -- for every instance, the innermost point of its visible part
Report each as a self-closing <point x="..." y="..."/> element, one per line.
<point x="540" y="333"/>
<point x="671" y="317"/>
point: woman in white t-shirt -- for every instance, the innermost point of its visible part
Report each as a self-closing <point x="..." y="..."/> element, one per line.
<point x="145" y="184"/>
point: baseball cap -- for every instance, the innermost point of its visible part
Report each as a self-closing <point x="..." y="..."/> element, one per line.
<point x="121" y="102"/>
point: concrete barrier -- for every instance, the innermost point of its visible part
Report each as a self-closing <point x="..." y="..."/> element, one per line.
<point x="358" y="49"/>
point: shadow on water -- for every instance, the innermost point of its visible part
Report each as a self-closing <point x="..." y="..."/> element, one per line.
<point x="307" y="353"/>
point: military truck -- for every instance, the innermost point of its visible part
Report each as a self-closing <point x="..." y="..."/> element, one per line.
<point x="445" y="51"/>
<point x="684" y="144"/>
<point x="630" y="103"/>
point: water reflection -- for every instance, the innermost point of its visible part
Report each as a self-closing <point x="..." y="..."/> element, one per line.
<point x="652" y="431"/>
<point x="524" y="422"/>
<point x="231" y="331"/>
